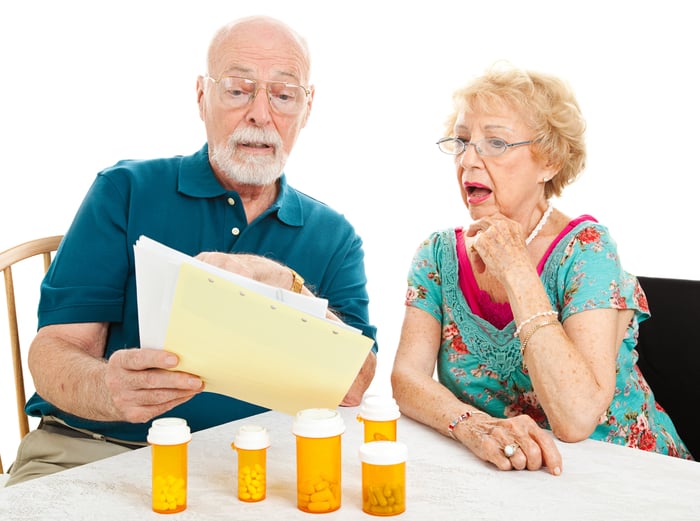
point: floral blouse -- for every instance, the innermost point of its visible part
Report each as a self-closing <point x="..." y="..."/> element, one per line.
<point x="481" y="362"/>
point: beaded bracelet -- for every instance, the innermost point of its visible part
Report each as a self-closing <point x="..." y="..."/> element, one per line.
<point x="533" y="317"/>
<point x="459" y="419"/>
<point x="523" y="343"/>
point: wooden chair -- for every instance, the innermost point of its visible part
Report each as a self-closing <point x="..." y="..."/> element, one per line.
<point x="8" y="259"/>
<point x="669" y="356"/>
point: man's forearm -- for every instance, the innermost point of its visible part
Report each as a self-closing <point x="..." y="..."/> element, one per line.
<point x="70" y="378"/>
<point x="362" y="381"/>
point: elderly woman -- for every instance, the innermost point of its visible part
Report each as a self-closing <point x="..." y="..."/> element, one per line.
<point x="527" y="312"/>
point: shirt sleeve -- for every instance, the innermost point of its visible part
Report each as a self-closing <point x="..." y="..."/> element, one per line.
<point x="87" y="284"/>
<point x="590" y="276"/>
<point x="424" y="281"/>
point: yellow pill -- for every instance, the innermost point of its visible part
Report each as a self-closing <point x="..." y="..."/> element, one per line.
<point x="321" y="506"/>
<point x="323" y="495"/>
<point x="372" y="497"/>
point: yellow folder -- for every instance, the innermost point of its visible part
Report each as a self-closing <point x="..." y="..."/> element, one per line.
<point x="255" y="348"/>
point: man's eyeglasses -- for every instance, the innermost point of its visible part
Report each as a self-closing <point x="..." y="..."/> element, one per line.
<point x="285" y="98"/>
<point x="488" y="147"/>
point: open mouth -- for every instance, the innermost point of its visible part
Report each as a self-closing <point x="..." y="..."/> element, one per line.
<point x="477" y="191"/>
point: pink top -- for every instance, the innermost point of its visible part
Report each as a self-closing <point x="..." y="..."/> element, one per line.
<point x="497" y="313"/>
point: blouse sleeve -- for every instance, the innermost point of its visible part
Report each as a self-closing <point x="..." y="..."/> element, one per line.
<point x="424" y="281"/>
<point x="590" y="276"/>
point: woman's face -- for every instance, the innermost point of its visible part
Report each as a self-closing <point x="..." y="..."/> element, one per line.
<point x="511" y="183"/>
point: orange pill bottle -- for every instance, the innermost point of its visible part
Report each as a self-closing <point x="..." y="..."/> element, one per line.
<point x="251" y="443"/>
<point x="318" y="453"/>
<point x="169" y="438"/>
<point x="383" y="477"/>
<point x="380" y="415"/>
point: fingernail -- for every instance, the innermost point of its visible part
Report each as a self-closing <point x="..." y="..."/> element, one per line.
<point x="195" y="383"/>
<point x="171" y="360"/>
<point x="556" y="471"/>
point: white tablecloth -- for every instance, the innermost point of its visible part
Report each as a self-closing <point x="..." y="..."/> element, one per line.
<point x="444" y="480"/>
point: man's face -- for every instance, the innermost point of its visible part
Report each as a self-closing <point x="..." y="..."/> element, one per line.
<point x="249" y="144"/>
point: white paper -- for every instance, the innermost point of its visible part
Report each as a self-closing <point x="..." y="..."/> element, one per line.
<point x="157" y="267"/>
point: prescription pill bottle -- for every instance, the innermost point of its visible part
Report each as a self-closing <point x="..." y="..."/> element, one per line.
<point x="251" y="443"/>
<point x="383" y="477"/>
<point x="318" y="436"/>
<point x="379" y="415"/>
<point x="169" y="438"/>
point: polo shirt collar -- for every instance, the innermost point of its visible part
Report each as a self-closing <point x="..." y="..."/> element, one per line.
<point x="196" y="179"/>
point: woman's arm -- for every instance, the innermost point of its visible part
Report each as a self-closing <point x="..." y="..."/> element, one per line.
<point x="424" y="399"/>
<point x="571" y="365"/>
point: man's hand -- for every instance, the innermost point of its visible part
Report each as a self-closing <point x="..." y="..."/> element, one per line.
<point x="141" y="386"/>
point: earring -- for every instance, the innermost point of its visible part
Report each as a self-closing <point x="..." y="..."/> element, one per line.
<point x="547" y="179"/>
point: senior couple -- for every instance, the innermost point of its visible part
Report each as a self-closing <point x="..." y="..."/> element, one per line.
<point x="526" y="312"/>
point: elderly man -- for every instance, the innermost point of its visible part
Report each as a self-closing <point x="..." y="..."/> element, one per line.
<point x="96" y="390"/>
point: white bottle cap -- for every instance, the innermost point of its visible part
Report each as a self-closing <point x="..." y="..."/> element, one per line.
<point x="379" y="408"/>
<point x="318" y="423"/>
<point x="383" y="452"/>
<point x="251" y="437"/>
<point x="169" y="431"/>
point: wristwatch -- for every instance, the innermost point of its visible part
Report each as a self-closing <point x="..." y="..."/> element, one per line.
<point x="297" y="282"/>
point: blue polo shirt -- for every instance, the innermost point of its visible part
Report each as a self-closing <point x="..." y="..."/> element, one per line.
<point x="179" y="202"/>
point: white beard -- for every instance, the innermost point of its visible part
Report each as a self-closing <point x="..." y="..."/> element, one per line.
<point x="250" y="169"/>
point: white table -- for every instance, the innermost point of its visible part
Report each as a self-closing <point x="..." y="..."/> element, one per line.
<point x="600" y="481"/>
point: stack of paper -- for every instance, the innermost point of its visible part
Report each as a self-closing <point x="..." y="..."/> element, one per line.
<point x="245" y="339"/>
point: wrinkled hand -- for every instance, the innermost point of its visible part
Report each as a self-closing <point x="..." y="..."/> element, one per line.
<point x="141" y="386"/>
<point x="487" y="437"/>
<point x="498" y="243"/>
<point x="254" y="267"/>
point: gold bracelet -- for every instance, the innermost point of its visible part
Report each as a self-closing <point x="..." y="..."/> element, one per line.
<point x="524" y="341"/>
<point x="297" y="282"/>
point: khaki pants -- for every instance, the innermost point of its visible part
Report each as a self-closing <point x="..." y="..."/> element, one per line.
<point x="41" y="453"/>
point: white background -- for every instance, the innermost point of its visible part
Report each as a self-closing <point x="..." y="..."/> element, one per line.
<point x="86" y="84"/>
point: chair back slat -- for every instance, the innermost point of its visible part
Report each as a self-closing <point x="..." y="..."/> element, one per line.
<point x="44" y="247"/>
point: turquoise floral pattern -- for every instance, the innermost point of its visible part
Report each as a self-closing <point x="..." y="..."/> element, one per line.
<point x="482" y="364"/>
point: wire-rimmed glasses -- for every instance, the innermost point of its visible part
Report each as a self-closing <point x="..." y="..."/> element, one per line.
<point x="236" y="92"/>
<point x="488" y="146"/>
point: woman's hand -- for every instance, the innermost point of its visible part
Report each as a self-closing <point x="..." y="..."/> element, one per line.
<point x="498" y="245"/>
<point x="488" y="437"/>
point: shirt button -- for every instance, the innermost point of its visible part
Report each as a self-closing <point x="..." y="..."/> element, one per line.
<point x="231" y="201"/>
<point x="235" y="231"/>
